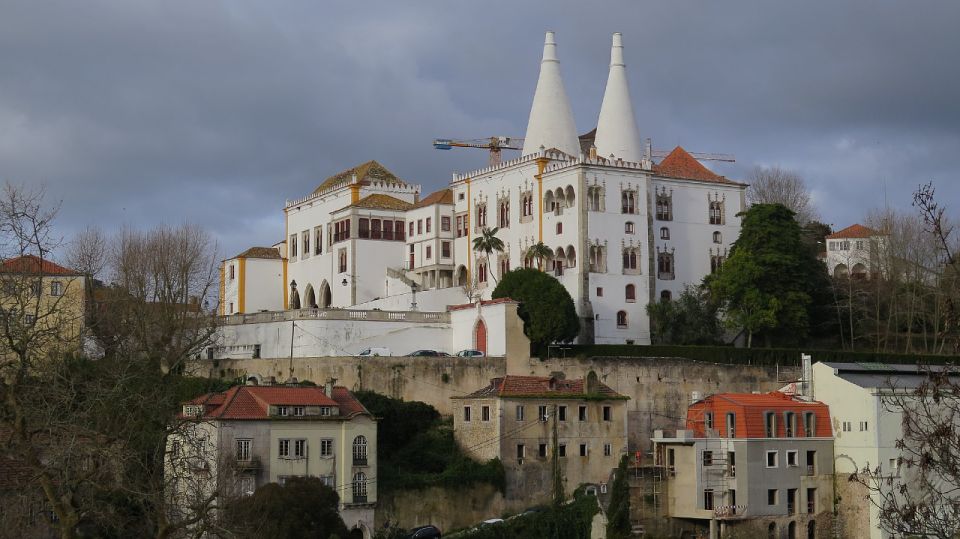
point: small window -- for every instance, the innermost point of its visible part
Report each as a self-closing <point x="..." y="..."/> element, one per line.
<point x="864" y="427"/>
<point x="233" y="274"/>
<point x="428" y="225"/>
<point x="300" y="448"/>
<point x="583" y="450"/>
<point x="298" y="411"/>
<point x="56" y="288"/>
<point x="283" y="450"/>
<point x="628" y="228"/>
<point x="792" y="458"/>
<point x="772" y="458"/>
<point x="666" y="295"/>
<point x="561" y="413"/>
<point x="520" y="452"/>
<point x="621" y="319"/>
<point x="731" y="425"/>
<point x="283" y="411"/>
<point x="607" y="413"/>
<point x="466" y="414"/>
<point x="542" y="450"/>
<point x="485" y="413"/>
<point x="429" y="252"/>
<point x="562" y="450"/>
<point x="325" y="411"/>
<point x="559" y="228"/>
<point x="582" y="413"/>
<point x="708" y="499"/>
<point x="770" y="421"/>
<point x="599" y="291"/>
<point x="664" y="233"/>
<point x="607" y="450"/>
<point x="717" y="237"/>
<point x="542" y="413"/>
<point x="771" y="496"/>
<point x="445" y="224"/>
<point x="519" y="413"/>
<point x="243" y="449"/>
<point x="708" y="420"/>
<point x="631" y="293"/>
<point x="707" y="458"/>
<point x="326" y="447"/>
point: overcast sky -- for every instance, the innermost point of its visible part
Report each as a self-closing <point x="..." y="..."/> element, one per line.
<point x="216" y="112"/>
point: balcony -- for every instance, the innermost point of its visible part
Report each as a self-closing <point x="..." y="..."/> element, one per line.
<point x="248" y="464"/>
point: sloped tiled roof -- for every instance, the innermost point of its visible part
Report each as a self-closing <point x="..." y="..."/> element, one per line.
<point x="749" y="410"/>
<point x="34" y="265"/>
<point x="541" y="387"/>
<point x="260" y="252"/>
<point x="253" y="402"/>
<point x="443" y="196"/>
<point x="680" y="164"/>
<point x="379" y="201"/>
<point x="854" y="231"/>
<point x="369" y="171"/>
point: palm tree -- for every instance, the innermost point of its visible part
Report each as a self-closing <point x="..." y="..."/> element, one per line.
<point x="541" y="252"/>
<point x="488" y="242"/>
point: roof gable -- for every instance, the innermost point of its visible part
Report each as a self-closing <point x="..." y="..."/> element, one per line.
<point x="31" y="264"/>
<point x="443" y="196"/>
<point x="854" y="231"/>
<point x="366" y="172"/>
<point x="260" y="252"/>
<point x="253" y="402"/>
<point x="379" y="201"/>
<point x="680" y="164"/>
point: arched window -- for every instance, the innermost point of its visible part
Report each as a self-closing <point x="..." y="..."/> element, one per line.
<point x="504" y="214"/>
<point x="628" y="201"/>
<point x="631" y="293"/>
<point x="664" y="207"/>
<point x="628" y="228"/>
<point x="360" y="451"/>
<point x="359" y="487"/>
<point x="717" y="237"/>
<point x="772" y="530"/>
<point x="481" y="272"/>
<point x="665" y="266"/>
<point x="664" y="233"/>
<point x="716" y="212"/>
<point x="621" y="319"/>
<point x="549" y="203"/>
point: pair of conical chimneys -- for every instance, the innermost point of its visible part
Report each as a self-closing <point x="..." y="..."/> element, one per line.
<point x="551" y="118"/>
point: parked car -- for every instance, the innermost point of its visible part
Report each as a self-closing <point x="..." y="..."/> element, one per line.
<point x="375" y="351"/>
<point x="491" y="522"/>
<point x="429" y="353"/>
<point x="424" y="532"/>
<point x="470" y="353"/>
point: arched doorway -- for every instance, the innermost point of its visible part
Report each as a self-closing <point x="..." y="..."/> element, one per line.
<point x="325" y="299"/>
<point x="462" y="279"/>
<point x="480" y="336"/>
<point x="311" y="297"/>
<point x="356" y="533"/>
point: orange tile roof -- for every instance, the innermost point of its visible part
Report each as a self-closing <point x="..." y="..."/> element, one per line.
<point x="680" y="164"/>
<point x="443" y="196"/>
<point x="379" y="201"/>
<point x="260" y="252"/>
<point x="34" y="265"/>
<point x="540" y="387"/>
<point x="854" y="231"/>
<point x="369" y="171"/>
<point x="749" y="410"/>
<point x="253" y="402"/>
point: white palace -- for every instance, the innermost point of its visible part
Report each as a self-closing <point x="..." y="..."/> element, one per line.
<point x="625" y="229"/>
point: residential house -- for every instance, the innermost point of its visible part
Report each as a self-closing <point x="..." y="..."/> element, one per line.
<point x="855" y="252"/>
<point x="758" y="463"/>
<point x="251" y="435"/>
<point x="514" y="418"/>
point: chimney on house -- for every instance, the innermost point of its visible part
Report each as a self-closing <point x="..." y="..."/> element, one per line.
<point x="617" y="132"/>
<point x="551" y="118"/>
<point x="328" y="387"/>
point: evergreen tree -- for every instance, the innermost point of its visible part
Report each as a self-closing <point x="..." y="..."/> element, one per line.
<point x="772" y="282"/>
<point x="546" y="307"/>
<point x="618" y="512"/>
<point x="692" y="318"/>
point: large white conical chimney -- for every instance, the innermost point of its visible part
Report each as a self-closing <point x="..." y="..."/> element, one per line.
<point x="551" y="119"/>
<point x="617" y="131"/>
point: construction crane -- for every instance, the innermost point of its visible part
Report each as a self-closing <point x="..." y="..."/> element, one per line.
<point x="493" y="144"/>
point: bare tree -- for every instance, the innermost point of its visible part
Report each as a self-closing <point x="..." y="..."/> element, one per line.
<point x="87" y="252"/>
<point x="774" y="185"/>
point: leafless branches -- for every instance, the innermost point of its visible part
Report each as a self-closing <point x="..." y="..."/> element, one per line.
<point x="774" y="185"/>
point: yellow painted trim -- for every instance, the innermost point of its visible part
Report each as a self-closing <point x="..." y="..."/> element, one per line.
<point x="469" y="228"/>
<point x="541" y="165"/>
<point x="223" y="284"/>
<point x="354" y="193"/>
<point x="241" y="284"/>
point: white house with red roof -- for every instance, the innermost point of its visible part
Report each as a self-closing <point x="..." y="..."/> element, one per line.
<point x="855" y="252"/>
<point x="757" y="464"/>
<point x="514" y="417"/>
<point x="247" y="436"/>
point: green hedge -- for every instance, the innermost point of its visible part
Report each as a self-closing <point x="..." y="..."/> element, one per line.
<point x="751" y="356"/>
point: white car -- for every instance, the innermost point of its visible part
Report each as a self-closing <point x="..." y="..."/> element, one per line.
<point x="470" y="353"/>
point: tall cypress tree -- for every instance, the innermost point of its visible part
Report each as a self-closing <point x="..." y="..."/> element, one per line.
<point x="618" y="513"/>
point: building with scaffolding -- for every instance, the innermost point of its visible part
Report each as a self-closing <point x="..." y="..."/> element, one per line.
<point x="758" y="463"/>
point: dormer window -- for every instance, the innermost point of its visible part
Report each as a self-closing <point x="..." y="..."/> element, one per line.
<point x="325" y="411"/>
<point x="283" y="411"/>
<point x="298" y="411"/>
<point x="192" y="410"/>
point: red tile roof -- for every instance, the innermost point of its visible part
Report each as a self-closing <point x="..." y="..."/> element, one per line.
<point x="34" y="265"/>
<point x="540" y="387"/>
<point x="854" y="231"/>
<point x="749" y="411"/>
<point x="260" y="252"/>
<point x="253" y="402"/>
<point x="680" y="164"/>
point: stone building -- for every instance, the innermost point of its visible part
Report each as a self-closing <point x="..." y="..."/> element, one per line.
<point x="756" y="464"/>
<point x="856" y="252"/>
<point x="236" y="441"/>
<point x="513" y="419"/>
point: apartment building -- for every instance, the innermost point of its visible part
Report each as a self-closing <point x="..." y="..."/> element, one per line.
<point x="758" y="463"/>
<point x="247" y="436"/>
<point x="513" y="419"/>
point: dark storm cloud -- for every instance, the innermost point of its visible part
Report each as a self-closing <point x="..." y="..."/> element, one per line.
<point x="216" y="112"/>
